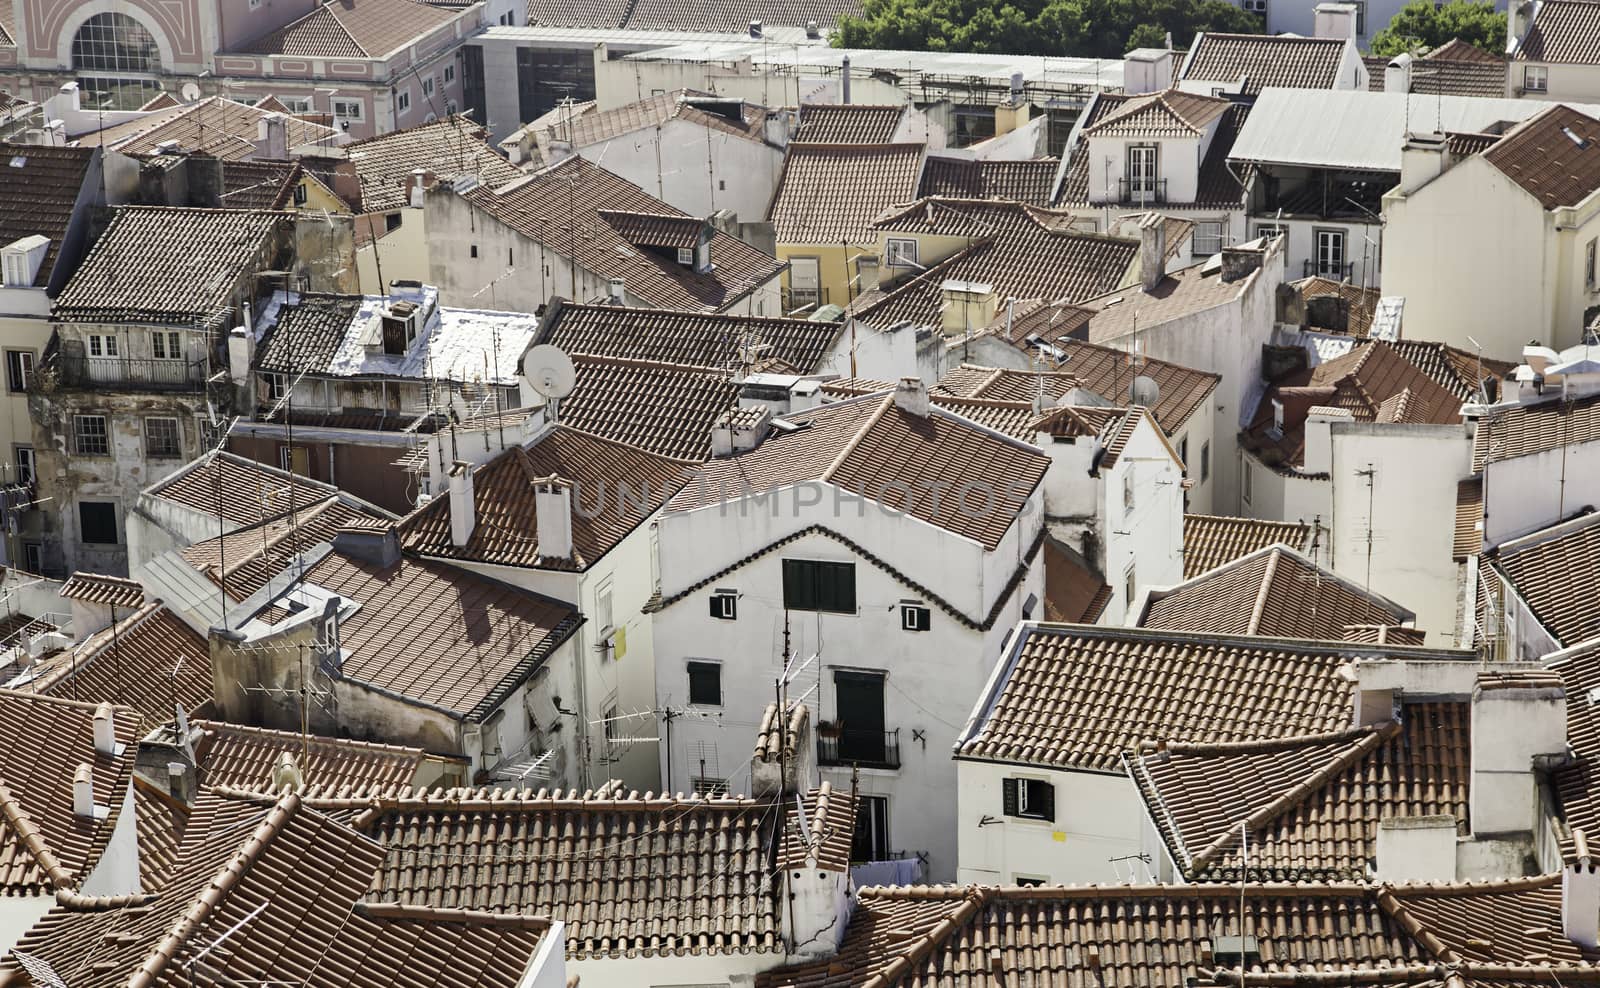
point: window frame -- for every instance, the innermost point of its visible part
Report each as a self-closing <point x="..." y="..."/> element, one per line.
<point x="1207" y="238"/>
<point x="83" y="528"/>
<point x="804" y="582"/>
<point x="1205" y="460"/>
<point x="1130" y="585"/>
<point x="915" y="617"/>
<point x="1543" y="84"/>
<point x="873" y="811"/>
<point x="1028" y="797"/>
<point x="901" y="252"/>
<point x="26" y="461"/>
<point x="402" y="101"/>
<point x="724" y="605"/>
<point x="1589" y="265"/>
<point x="449" y="73"/>
<point x="1246" y="483"/>
<point x="19" y="362"/>
<point x="702" y="668"/>
<point x="340" y="108"/>
<point x="102" y="346"/>
<point x="427" y="86"/>
<point x="176" y="449"/>
<point x="1332" y="233"/>
<point x="166" y="344"/>
<point x="79" y="434"/>
<point x="1148" y="183"/>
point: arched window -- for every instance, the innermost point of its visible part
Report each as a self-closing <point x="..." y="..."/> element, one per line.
<point x="115" y="56"/>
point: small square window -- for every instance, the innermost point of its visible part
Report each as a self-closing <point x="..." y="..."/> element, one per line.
<point x="725" y="605"/>
<point x="1205" y="460"/>
<point x="705" y="684"/>
<point x="1535" y="78"/>
<point x="915" y="617"/>
<point x="162" y="437"/>
<point x="900" y="253"/>
<point x="90" y="437"/>
<point x="1032" y="799"/>
<point x="97" y="522"/>
<point x="301" y="192"/>
<point x="686" y="255"/>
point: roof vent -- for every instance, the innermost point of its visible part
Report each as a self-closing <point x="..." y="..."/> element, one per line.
<point x="1582" y="144"/>
<point x="83" y="794"/>
<point x="105" y="730"/>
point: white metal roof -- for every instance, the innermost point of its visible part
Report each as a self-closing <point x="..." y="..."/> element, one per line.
<point x="536" y="34"/>
<point x="1364" y="130"/>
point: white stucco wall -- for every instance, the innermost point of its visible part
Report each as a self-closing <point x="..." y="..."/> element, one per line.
<point x="695" y="168"/>
<point x="1276" y="496"/>
<point x="1527" y="493"/>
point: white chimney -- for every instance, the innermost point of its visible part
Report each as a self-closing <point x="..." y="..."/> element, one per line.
<point x="105" y="730"/>
<point x="1580" y="896"/>
<point x="272" y="137"/>
<point x="1146" y="70"/>
<point x="83" y="791"/>
<point x="1397" y="74"/>
<point x="911" y="394"/>
<point x="1335" y="20"/>
<point x="1423" y="158"/>
<point x="553" y="517"/>
<point x="463" y="506"/>
<point x="740" y="430"/>
<point x="241" y="354"/>
<point x="417" y="187"/>
<point x="1152" y="251"/>
<point x="1518" y="720"/>
<point x="615" y="290"/>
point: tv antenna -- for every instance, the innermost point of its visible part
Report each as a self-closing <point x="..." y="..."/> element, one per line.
<point x="550" y="372"/>
<point x="1145" y="391"/>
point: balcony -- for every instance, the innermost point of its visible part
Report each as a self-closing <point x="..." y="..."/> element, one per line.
<point x="868" y="749"/>
<point x="1331" y="271"/>
<point x="1141" y="191"/>
<point x="130" y="373"/>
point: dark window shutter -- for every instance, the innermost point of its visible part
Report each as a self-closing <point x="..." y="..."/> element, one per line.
<point x="1009" y="788"/>
<point x="1047" y="800"/>
<point x="716" y="606"/>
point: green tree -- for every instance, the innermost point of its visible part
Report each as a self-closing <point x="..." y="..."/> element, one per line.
<point x="1085" y="28"/>
<point x="1420" y="24"/>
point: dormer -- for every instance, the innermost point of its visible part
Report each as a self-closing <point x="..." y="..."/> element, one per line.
<point x="681" y="240"/>
<point x="1147" y="150"/>
<point x="21" y="260"/>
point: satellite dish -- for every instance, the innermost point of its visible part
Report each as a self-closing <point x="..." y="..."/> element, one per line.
<point x="549" y="371"/>
<point x="190" y="91"/>
<point x="1145" y="391"/>
<point x="458" y="408"/>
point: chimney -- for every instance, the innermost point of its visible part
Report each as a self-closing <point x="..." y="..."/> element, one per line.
<point x="83" y="791"/>
<point x="1147" y="70"/>
<point x="1335" y="20"/>
<point x="378" y="546"/>
<point x="1152" y="251"/>
<point x="616" y="290"/>
<point x="272" y="137"/>
<point x="813" y="32"/>
<point x="1241" y="262"/>
<point x="552" y="502"/>
<point x="417" y="184"/>
<point x="286" y="775"/>
<point x="1580" y="896"/>
<point x="1319" y="436"/>
<point x="844" y="80"/>
<point x="1014" y="112"/>
<point x="911" y="395"/>
<point x="739" y="430"/>
<point x="968" y="306"/>
<point x="1397" y="74"/>
<point x="105" y="730"/>
<point x="1423" y="158"/>
<point x="181" y="782"/>
<point x="463" y="506"/>
<point x="241" y="354"/>
<point x="1519" y="721"/>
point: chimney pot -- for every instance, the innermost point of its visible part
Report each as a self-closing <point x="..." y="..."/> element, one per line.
<point x="911" y="395"/>
<point x="1580" y="901"/>
<point x="616" y="290"/>
<point x="83" y="791"/>
<point x="105" y="730"/>
<point x="463" y="505"/>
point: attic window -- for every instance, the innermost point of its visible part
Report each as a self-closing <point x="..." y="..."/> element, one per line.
<point x="1582" y="144"/>
<point x="686" y="256"/>
<point x="19" y="160"/>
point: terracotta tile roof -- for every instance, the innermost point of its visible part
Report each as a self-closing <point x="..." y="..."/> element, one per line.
<point x="1277" y="61"/>
<point x="353" y="29"/>
<point x="258" y="184"/>
<point x="731" y="17"/>
<point x="872" y="446"/>
<point x="44" y="845"/>
<point x="1160" y="936"/>
<point x="1469" y="518"/>
<point x="1577" y="784"/>
<point x="169" y="266"/>
<point x="1459" y="372"/>
<point x="1073" y="591"/>
<point x="307" y="335"/>
<point x="289" y="885"/>
<point x="1464" y="145"/>
<point x="1511" y="921"/>
<point x="1564" y="31"/>
<point x="661" y="408"/>
<point x="545" y="207"/>
<point x="848" y="123"/>
<point x="38" y="190"/>
<point x="655" y="229"/>
<point x="216" y="126"/>
<point x="700" y="339"/>
<point x="1313" y="803"/>
<point x="441" y="635"/>
<point x="241" y="490"/>
<point x="1273" y="592"/>
<point x="695" y="107"/>
<point x="448" y="147"/>
<point x="1023" y="251"/>
<point x="1076" y="697"/>
<point x="161" y="822"/>
<point x="609" y="480"/>
<point x="1172" y="113"/>
<point x="830" y="193"/>
<point x="1556" y="572"/>
<point x="579" y="13"/>
<point x="244" y="560"/>
<point x="1536" y="427"/>
<point x="1360" y="302"/>
<point x="825" y="841"/>
<point x="1554" y="156"/>
<point x="1182" y="293"/>
<point x="238" y="757"/>
<point x="1210" y="541"/>
<point x="149" y="660"/>
<point x="1455" y="68"/>
<point x="1100" y="369"/>
<point x="1374" y="382"/>
<point x="629" y="876"/>
<point x="94" y="588"/>
<point x="1032" y="182"/>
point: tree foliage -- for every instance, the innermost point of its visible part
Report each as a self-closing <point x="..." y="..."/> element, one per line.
<point x="1084" y="28"/>
<point x="1420" y="24"/>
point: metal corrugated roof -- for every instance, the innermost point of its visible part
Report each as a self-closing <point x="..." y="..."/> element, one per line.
<point x="1362" y="129"/>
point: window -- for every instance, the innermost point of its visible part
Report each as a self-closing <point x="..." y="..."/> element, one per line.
<point x="294" y="459"/>
<point x="1142" y="166"/>
<point x="19" y="363"/>
<point x="1330" y="254"/>
<point x="705" y="684"/>
<point x="474" y="250"/>
<point x="725" y="605"/>
<point x="915" y="617"/>
<point x="805" y="285"/>
<point x="1270" y="230"/>
<point x="1183" y="451"/>
<point x="391" y="222"/>
<point x="89" y="435"/>
<point x="301" y="191"/>
<point x="1207" y="238"/>
<point x="814" y="585"/>
<point x="871" y="841"/>
<point x="25" y="470"/>
<point x="686" y="256"/>
<point x="1130" y="584"/>
<point x="1127" y="493"/>
<point x="1028" y="881"/>
<point x="296" y="104"/>
<point x="709" y="787"/>
<point x="612" y="721"/>
<point x="900" y="253"/>
<point x="859" y="711"/>
<point x="402" y="101"/>
<point x="1258" y="7"/>
<point x="427" y="86"/>
<point x="33" y="556"/>
<point x="348" y="109"/>
<point x="1032" y="799"/>
<point x="449" y="73"/>
<point x="1535" y="78"/>
<point x="117" y="60"/>
<point x="1245" y="482"/>
<point x="1205" y="460"/>
<point x="277" y="384"/>
<point x="1588" y="266"/>
<point x="102" y="345"/>
<point x="511" y="256"/>
<point x="165" y="345"/>
<point x="602" y="607"/>
<point x="162" y="437"/>
<point x="97" y="522"/>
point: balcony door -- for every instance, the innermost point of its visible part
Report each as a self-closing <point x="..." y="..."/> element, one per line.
<point x="858" y="698"/>
<point x="1142" y="168"/>
<point x="1330" y="254"/>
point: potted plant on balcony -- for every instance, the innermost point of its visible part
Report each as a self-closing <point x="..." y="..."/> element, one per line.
<point x="830" y="729"/>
